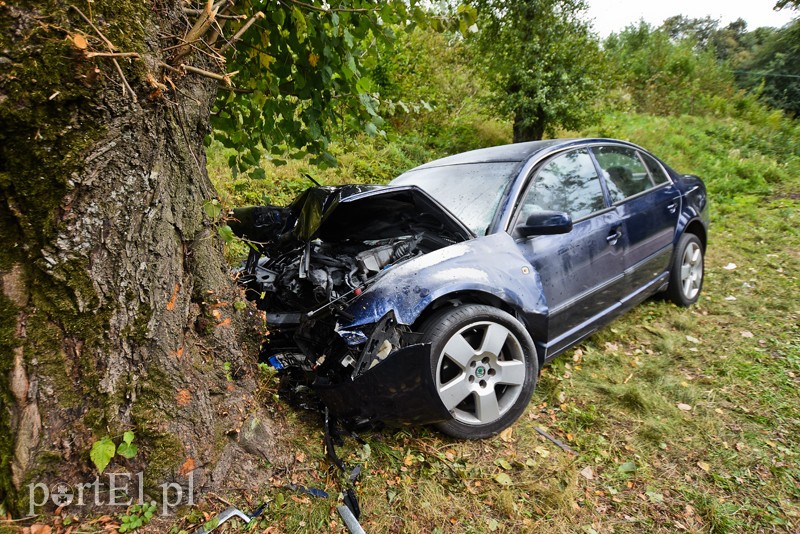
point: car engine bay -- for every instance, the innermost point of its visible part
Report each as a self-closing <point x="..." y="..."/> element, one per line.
<point x="311" y="260"/>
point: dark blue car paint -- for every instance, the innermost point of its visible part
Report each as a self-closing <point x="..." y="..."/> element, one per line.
<point x="490" y="264"/>
<point x="399" y="389"/>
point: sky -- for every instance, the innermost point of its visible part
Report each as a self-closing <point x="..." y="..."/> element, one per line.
<point x="613" y="15"/>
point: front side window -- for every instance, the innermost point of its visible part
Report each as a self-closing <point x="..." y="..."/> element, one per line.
<point x="623" y="170"/>
<point x="567" y="183"/>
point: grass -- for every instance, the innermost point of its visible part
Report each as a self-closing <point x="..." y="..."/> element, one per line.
<point x="683" y="419"/>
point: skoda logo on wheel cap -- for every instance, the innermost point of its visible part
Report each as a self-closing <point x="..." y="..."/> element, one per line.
<point x="479" y="372"/>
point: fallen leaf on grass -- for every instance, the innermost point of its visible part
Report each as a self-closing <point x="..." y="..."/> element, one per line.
<point x="505" y="435"/>
<point x="502" y="462"/>
<point x="541" y="451"/>
<point x="503" y="479"/>
<point x="40" y="529"/>
<point x="692" y="339"/>
<point x="730" y="298"/>
<point x="730" y="267"/>
<point x="684" y="407"/>
<point x="627" y="467"/>
<point x="704" y="466"/>
<point x="101" y="519"/>
<point x="747" y="333"/>
<point x="587" y="472"/>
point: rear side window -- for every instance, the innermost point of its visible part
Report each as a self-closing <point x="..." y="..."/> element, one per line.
<point x="656" y="170"/>
<point x="567" y="183"/>
<point x="624" y="171"/>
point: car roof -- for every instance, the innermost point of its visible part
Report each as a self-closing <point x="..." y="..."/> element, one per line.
<point x="516" y="152"/>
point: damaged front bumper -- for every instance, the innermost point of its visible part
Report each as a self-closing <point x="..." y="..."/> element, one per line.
<point x="398" y="389"/>
<point x="364" y="374"/>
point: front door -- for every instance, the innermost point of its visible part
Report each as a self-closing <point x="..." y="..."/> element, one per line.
<point x="581" y="271"/>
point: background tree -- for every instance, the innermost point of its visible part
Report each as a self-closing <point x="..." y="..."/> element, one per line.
<point x="773" y="69"/>
<point x="116" y="308"/>
<point x="542" y="62"/>
<point x="658" y="73"/>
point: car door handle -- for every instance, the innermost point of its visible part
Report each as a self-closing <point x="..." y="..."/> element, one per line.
<point x="613" y="238"/>
<point x="672" y="207"/>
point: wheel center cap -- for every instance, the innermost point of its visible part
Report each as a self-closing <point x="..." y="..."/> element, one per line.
<point x="480" y="372"/>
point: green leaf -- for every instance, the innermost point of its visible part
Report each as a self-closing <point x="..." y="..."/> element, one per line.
<point x="502" y="462"/>
<point x="212" y="209"/>
<point x="503" y="479"/>
<point x="226" y="233"/>
<point x="300" y="24"/>
<point x="128" y="437"/>
<point x="627" y="467"/>
<point x="365" y="85"/>
<point x="102" y="452"/>
<point x="278" y="16"/>
<point x="258" y="174"/>
<point x="127" y="450"/>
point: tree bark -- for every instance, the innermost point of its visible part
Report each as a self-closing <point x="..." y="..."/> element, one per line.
<point x="527" y="128"/>
<point x="116" y="309"/>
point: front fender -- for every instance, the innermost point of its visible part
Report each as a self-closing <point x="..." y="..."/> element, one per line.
<point x="491" y="264"/>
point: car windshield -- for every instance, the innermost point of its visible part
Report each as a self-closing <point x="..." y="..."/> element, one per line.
<point x="470" y="191"/>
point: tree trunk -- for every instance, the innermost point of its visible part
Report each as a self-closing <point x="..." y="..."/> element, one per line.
<point x="528" y="128"/>
<point x="117" y="309"/>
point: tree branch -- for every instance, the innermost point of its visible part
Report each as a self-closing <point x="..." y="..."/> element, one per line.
<point x="134" y="55"/>
<point x="90" y="23"/>
<point x="111" y="48"/>
<point x="197" y="31"/>
<point x="225" y="78"/>
<point x="238" y="35"/>
<point x="189" y="11"/>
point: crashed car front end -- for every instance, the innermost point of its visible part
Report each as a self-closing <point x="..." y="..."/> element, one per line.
<point x="313" y="270"/>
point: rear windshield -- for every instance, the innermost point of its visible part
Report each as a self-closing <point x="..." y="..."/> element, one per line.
<point x="470" y="191"/>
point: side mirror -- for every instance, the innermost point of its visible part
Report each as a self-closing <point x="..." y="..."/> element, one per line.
<point x="545" y="223"/>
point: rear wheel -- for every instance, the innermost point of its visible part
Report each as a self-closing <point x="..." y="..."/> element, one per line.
<point x="484" y="368"/>
<point x="686" y="275"/>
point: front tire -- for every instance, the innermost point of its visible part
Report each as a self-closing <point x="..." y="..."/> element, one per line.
<point x="484" y="368"/>
<point x="686" y="274"/>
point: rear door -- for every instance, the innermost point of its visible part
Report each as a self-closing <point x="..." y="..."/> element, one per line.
<point x="649" y="205"/>
<point x="581" y="271"/>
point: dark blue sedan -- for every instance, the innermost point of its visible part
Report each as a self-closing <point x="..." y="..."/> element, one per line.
<point x="437" y="299"/>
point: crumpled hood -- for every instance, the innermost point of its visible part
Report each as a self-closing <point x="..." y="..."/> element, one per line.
<point x="359" y="212"/>
<point x="347" y="213"/>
